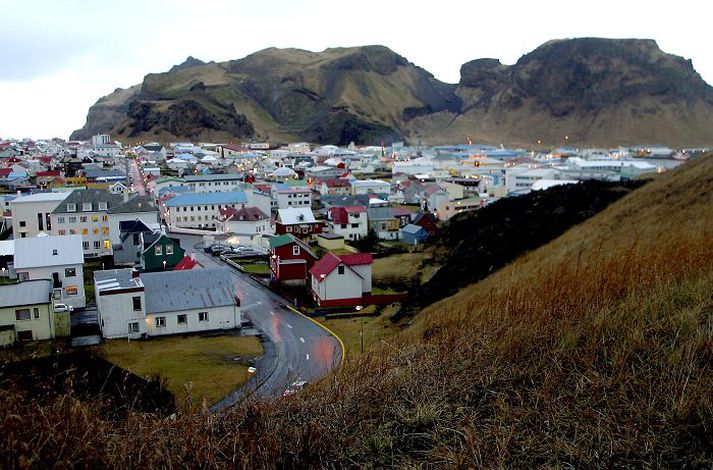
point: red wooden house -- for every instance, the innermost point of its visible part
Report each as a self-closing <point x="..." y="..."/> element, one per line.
<point x="290" y="259"/>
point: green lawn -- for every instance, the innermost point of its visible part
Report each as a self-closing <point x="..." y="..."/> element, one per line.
<point x="196" y="368"/>
<point x="256" y="268"/>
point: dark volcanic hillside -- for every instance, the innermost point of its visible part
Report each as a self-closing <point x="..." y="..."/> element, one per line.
<point x="595" y="91"/>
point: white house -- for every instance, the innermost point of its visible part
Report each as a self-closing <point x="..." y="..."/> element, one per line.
<point x="291" y="197"/>
<point x="121" y="303"/>
<point x="32" y="214"/>
<point x="200" y="210"/>
<point x="370" y="187"/>
<point x="59" y="259"/>
<point x="350" y="222"/>
<point x="190" y="300"/>
<point x="341" y="280"/>
<point x="244" y="221"/>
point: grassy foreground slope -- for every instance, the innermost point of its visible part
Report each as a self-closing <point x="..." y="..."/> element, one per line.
<point x="592" y="351"/>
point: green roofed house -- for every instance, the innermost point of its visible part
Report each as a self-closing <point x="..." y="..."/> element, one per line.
<point x="160" y="249"/>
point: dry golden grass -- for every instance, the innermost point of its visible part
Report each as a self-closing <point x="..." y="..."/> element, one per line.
<point x="593" y="351"/>
<point x="396" y="266"/>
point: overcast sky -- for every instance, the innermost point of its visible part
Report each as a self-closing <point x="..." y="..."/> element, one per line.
<point x="57" y="57"/>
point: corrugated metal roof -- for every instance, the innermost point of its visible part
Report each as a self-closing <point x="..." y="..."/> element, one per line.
<point x="174" y="291"/>
<point x="32" y="292"/>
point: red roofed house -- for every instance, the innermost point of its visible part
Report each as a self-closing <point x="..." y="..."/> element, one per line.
<point x="335" y="187"/>
<point x="349" y="222"/>
<point x="340" y="281"/>
<point x="243" y="221"/>
<point x="290" y="260"/>
<point x="5" y="172"/>
<point x="188" y="262"/>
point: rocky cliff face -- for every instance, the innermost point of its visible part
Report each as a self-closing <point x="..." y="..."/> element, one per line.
<point x="595" y="91"/>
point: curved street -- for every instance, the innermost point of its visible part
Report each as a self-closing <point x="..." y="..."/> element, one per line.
<point x="296" y="348"/>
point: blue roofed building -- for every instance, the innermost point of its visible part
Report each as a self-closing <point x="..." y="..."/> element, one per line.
<point x="412" y="234"/>
<point x="200" y="210"/>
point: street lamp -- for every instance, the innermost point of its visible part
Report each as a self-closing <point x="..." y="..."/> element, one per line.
<point x="164" y="265"/>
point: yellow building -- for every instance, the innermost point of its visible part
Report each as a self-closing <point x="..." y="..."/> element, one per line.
<point x="26" y="313"/>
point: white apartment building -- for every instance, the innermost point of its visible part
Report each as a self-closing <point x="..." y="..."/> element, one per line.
<point x="31" y="214"/>
<point x="291" y="197"/>
<point x="121" y="303"/>
<point x="370" y="187"/>
<point x="200" y="210"/>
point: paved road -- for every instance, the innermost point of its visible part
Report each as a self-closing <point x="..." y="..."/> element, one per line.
<point x="297" y="349"/>
<point x="137" y="181"/>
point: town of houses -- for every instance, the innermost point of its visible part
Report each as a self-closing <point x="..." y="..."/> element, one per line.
<point x="306" y="209"/>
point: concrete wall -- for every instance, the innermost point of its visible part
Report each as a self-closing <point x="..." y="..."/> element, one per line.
<point x="27" y="212"/>
<point x="42" y="327"/>
<point x="219" y="318"/>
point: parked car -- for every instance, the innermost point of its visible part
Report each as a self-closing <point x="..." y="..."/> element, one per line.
<point x="63" y="308"/>
<point x="218" y="250"/>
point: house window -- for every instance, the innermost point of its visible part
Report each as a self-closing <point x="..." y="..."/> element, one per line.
<point x="22" y="314"/>
<point x="71" y="208"/>
<point x="70" y="272"/>
<point x="36" y="312"/>
<point x="102" y="206"/>
<point x="340" y="269"/>
<point x="73" y="220"/>
<point x="355" y="225"/>
<point x="288" y="229"/>
<point x="136" y="239"/>
<point x="71" y="290"/>
<point x="23" y="223"/>
<point x="105" y="218"/>
<point x="295" y="250"/>
<point x="85" y="231"/>
<point x="24" y="335"/>
<point x="105" y="230"/>
<point x="169" y="249"/>
<point x="158" y="250"/>
<point x="97" y="245"/>
<point x="60" y="220"/>
<point x="86" y="207"/>
<point x="182" y="319"/>
<point x="85" y="245"/>
<point x="133" y="327"/>
<point x="160" y="322"/>
<point x="136" y="302"/>
<point x="202" y="316"/>
<point x="344" y="225"/>
<point x="62" y="232"/>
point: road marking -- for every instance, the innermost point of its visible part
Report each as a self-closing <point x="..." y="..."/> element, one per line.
<point x="302" y="339"/>
<point x="259" y="302"/>
<point x="288" y="325"/>
<point x="272" y="312"/>
<point x="308" y="357"/>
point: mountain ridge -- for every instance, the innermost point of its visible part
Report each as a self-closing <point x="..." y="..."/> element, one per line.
<point x="594" y="91"/>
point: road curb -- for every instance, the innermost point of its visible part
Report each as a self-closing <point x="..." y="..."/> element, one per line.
<point x="325" y="328"/>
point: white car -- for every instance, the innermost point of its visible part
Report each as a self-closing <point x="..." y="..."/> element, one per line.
<point x="63" y="308"/>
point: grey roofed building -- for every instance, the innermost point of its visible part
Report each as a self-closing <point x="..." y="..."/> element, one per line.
<point x="135" y="204"/>
<point x="93" y="174"/>
<point x="173" y="291"/>
<point x="129" y="227"/>
<point x="32" y="292"/>
<point x="115" y="202"/>
<point x="37" y="252"/>
<point x="380" y="213"/>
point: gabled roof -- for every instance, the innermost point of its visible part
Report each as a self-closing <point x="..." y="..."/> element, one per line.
<point x="135" y="204"/>
<point x="288" y="239"/>
<point x="129" y="227"/>
<point x="380" y="213"/>
<point x="243" y="214"/>
<point x="188" y="262"/>
<point x="413" y="229"/>
<point x="175" y="291"/>
<point x="296" y="215"/>
<point x="36" y="252"/>
<point x="31" y="292"/>
<point x="326" y="265"/>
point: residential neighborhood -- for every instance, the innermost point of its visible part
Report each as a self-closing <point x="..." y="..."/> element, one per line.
<point x="102" y="241"/>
